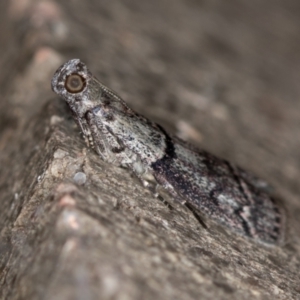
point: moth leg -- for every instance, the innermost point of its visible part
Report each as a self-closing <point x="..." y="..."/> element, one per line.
<point x="102" y="141"/>
<point x="166" y="186"/>
<point x="196" y="215"/>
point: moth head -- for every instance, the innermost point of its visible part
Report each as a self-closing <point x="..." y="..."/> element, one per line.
<point x="83" y="92"/>
<point x="70" y="80"/>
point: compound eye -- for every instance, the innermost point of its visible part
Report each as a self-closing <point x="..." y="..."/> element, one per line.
<point x="75" y="83"/>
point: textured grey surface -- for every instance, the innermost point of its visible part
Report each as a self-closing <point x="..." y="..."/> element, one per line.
<point x="222" y="74"/>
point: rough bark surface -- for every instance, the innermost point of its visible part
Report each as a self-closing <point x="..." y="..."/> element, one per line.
<point x="222" y="74"/>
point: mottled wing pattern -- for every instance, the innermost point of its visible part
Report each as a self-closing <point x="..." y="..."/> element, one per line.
<point x="216" y="188"/>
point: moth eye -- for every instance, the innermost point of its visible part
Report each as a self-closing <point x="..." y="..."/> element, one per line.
<point x="75" y="83"/>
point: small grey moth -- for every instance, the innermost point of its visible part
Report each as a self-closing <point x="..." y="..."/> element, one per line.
<point x="227" y="194"/>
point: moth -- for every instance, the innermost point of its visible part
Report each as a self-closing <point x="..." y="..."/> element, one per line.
<point x="208" y="184"/>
